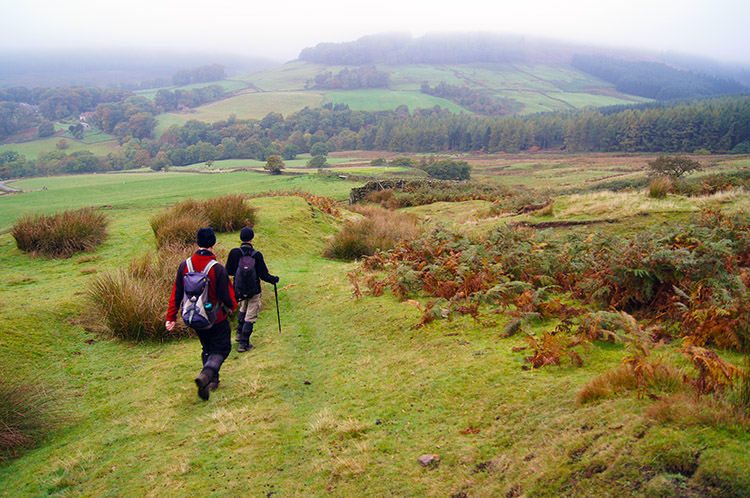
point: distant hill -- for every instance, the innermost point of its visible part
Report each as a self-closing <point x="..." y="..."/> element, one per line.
<point x="128" y="70"/>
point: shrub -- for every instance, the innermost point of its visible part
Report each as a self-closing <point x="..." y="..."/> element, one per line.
<point x="61" y="234"/>
<point x="274" y="165"/>
<point x="378" y="230"/>
<point x="659" y="187"/>
<point x="318" y="161"/>
<point x="132" y="303"/>
<point x="447" y="169"/>
<point x="25" y="417"/>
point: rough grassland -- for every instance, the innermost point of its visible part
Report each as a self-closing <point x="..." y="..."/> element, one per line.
<point x="342" y="402"/>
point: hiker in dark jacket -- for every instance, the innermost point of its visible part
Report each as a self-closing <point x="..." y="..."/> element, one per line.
<point x="250" y="307"/>
<point x="216" y="340"/>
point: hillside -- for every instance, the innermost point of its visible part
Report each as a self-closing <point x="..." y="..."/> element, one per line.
<point x="350" y="394"/>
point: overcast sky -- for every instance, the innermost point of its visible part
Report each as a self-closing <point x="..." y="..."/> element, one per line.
<point x="279" y="29"/>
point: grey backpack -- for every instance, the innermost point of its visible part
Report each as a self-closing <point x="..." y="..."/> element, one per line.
<point x="197" y="311"/>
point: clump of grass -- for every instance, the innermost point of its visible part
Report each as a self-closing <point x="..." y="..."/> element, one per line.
<point x="622" y="379"/>
<point x="659" y="187"/>
<point x="378" y="230"/>
<point x="132" y="303"/>
<point x="228" y="213"/>
<point x="25" y="417"/>
<point x="176" y="229"/>
<point x="61" y="234"/>
<point x="179" y="224"/>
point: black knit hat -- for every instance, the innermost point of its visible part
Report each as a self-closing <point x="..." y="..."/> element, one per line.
<point x="246" y="234"/>
<point x="206" y="237"/>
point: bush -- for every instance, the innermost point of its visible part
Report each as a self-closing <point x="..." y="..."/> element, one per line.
<point x="274" y="165"/>
<point x="378" y="230"/>
<point x="659" y="187"/>
<point x="317" y="161"/>
<point x="25" y="417"/>
<point x="61" y="234"/>
<point x="179" y="224"/>
<point x="132" y="302"/>
<point x="448" y="169"/>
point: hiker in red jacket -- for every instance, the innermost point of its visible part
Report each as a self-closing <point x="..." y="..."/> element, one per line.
<point x="216" y="340"/>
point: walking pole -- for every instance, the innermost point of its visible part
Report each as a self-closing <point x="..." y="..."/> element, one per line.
<point x="278" y="315"/>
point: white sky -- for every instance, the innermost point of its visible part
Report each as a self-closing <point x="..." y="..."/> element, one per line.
<point x="279" y="29"/>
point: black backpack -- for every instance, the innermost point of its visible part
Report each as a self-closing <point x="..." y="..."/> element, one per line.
<point x="245" y="278"/>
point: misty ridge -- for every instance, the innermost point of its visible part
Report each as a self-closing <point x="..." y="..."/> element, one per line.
<point x="139" y="70"/>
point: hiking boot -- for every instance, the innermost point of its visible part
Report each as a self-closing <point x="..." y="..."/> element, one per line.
<point x="244" y="346"/>
<point x="202" y="381"/>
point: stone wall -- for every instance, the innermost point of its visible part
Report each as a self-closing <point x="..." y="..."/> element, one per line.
<point x="358" y="193"/>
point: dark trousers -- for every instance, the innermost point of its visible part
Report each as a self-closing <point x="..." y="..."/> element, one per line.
<point x="217" y="344"/>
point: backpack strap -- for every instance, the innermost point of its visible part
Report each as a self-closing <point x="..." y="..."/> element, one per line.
<point x="208" y="267"/>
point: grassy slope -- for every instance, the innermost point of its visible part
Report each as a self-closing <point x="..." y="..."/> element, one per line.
<point x="341" y="403"/>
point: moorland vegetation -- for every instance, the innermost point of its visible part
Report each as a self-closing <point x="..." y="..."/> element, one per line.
<point x="627" y="336"/>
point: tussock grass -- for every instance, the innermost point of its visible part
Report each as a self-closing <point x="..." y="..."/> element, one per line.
<point x="622" y="379"/>
<point x="616" y="204"/>
<point x="132" y="302"/>
<point x="659" y="187"/>
<point x="378" y="229"/>
<point x="685" y="409"/>
<point x="179" y="224"/>
<point x="61" y="234"/>
<point x="26" y="417"/>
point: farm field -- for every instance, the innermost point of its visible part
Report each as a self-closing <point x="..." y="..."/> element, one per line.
<point x="246" y="106"/>
<point x="34" y="148"/>
<point x="346" y="398"/>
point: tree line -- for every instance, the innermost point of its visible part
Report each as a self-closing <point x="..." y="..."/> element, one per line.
<point x="117" y="112"/>
<point x="715" y="125"/>
<point x="654" y="80"/>
<point x="398" y="48"/>
<point x="473" y="100"/>
<point x="350" y="79"/>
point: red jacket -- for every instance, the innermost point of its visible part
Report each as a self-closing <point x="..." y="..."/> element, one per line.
<point x="219" y="288"/>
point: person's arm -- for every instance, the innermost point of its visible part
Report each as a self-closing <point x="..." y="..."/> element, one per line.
<point x="174" y="300"/>
<point x="233" y="261"/>
<point x="262" y="270"/>
<point x="224" y="291"/>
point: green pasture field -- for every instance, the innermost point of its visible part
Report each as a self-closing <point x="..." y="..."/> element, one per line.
<point x="32" y="150"/>
<point x="381" y="100"/>
<point x="129" y="190"/>
<point x="229" y="85"/>
<point x="291" y="76"/>
<point x="246" y="106"/>
<point x="346" y="398"/>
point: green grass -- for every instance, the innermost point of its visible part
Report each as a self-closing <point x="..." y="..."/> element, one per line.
<point x="381" y="100"/>
<point x="229" y="85"/>
<point x="342" y="402"/>
<point x="131" y="190"/>
<point x="33" y="149"/>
